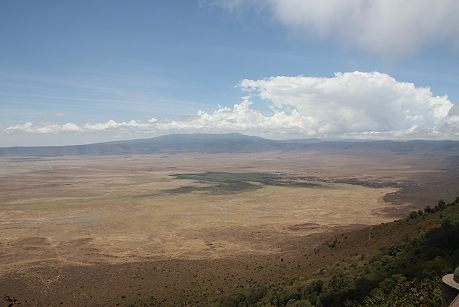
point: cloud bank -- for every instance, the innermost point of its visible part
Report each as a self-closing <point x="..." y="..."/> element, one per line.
<point x="354" y="103"/>
<point x="389" y="28"/>
<point x="346" y="105"/>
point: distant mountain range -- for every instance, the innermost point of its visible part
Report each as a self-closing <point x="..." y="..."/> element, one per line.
<point x="230" y="143"/>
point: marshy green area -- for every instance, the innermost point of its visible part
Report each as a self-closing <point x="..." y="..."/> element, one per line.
<point x="226" y="183"/>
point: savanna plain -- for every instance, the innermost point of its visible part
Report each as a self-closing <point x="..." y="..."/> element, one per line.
<point x="184" y="228"/>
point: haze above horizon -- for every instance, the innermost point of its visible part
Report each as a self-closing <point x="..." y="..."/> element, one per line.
<point x="85" y="72"/>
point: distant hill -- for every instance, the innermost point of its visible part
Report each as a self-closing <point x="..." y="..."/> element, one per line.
<point x="230" y="143"/>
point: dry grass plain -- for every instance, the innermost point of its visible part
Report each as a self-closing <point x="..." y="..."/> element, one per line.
<point x="102" y="215"/>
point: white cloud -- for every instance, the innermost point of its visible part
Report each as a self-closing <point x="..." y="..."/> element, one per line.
<point x="384" y="27"/>
<point x="354" y="102"/>
<point x="111" y="124"/>
<point x="346" y="105"/>
<point x="53" y="128"/>
<point x="25" y="127"/>
<point x="240" y="118"/>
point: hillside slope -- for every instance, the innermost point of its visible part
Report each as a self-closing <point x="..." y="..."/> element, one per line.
<point x="393" y="264"/>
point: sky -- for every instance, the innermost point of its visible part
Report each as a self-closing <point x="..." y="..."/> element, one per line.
<point x="74" y="72"/>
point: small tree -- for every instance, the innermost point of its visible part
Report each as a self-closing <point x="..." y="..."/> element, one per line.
<point x="441" y="205"/>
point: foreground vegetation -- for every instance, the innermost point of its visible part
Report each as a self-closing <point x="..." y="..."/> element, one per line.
<point x="405" y="273"/>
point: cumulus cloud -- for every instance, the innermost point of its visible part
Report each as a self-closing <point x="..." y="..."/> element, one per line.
<point x="241" y="117"/>
<point x="111" y="124"/>
<point x="346" y="105"/>
<point x="384" y="27"/>
<point x="53" y="128"/>
<point x="355" y="102"/>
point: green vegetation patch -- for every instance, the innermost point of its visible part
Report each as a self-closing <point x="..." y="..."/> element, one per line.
<point x="225" y="183"/>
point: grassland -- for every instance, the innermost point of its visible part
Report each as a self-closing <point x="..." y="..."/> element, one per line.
<point x="185" y="227"/>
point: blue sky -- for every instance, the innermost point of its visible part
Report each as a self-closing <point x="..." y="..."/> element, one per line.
<point x="89" y="62"/>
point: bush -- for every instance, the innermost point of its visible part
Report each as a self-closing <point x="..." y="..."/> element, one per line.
<point x="441" y="205"/>
<point x="398" y="291"/>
